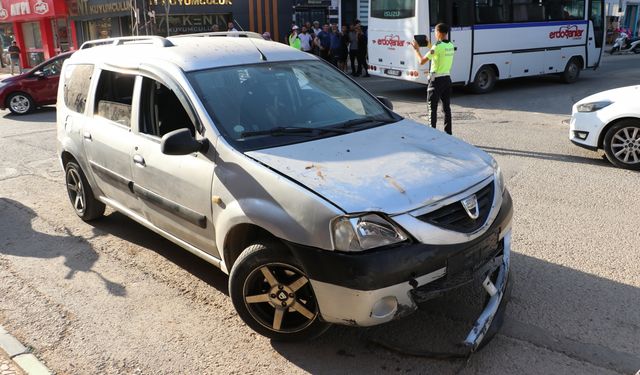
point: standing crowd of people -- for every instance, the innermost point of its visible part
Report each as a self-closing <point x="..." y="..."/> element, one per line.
<point x="333" y="45"/>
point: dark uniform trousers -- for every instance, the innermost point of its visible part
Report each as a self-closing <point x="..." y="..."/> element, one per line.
<point x="439" y="89"/>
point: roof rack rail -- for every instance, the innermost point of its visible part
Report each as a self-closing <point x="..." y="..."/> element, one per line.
<point x="153" y="39"/>
<point x="241" y="34"/>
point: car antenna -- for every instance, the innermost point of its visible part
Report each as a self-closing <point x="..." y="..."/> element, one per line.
<point x="262" y="56"/>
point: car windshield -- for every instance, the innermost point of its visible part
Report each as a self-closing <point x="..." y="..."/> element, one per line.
<point x="272" y="104"/>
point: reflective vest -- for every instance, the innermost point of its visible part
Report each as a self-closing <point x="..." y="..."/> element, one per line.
<point x="294" y="41"/>
<point x="442" y="57"/>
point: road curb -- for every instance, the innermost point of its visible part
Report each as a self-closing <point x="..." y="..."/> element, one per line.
<point x="21" y="355"/>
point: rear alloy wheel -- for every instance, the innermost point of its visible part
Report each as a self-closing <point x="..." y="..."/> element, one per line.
<point x="273" y="295"/>
<point x="20" y="103"/>
<point x="80" y="194"/>
<point x="484" y="81"/>
<point x="571" y="71"/>
<point x="622" y="144"/>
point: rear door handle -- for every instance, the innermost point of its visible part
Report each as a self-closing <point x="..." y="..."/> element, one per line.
<point x="87" y="136"/>
<point x="138" y="159"/>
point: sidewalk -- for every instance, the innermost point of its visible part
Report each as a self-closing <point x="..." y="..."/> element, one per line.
<point x="7" y="366"/>
<point x="16" y="359"/>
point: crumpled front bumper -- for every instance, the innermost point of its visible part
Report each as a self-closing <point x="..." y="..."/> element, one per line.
<point x="497" y="290"/>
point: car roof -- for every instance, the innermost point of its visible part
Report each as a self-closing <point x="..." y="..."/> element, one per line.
<point x="188" y="52"/>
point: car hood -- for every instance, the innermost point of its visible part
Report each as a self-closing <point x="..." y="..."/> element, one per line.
<point x="628" y="93"/>
<point x="13" y="78"/>
<point x="393" y="168"/>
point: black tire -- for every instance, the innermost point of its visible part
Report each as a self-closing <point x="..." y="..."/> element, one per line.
<point x="284" y="307"/>
<point x="20" y="103"/>
<point x="636" y="49"/>
<point x="622" y="144"/>
<point x="571" y="71"/>
<point x="85" y="205"/>
<point x="614" y="50"/>
<point x="484" y="81"/>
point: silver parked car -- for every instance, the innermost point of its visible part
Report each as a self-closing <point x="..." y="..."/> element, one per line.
<point x="321" y="203"/>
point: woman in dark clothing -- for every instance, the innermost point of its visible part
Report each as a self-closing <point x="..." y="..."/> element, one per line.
<point x="362" y="52"/>
<point x="344" y="49"/>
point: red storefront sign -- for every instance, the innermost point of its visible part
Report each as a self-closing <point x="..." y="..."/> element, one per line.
<point x="26" y="10"/>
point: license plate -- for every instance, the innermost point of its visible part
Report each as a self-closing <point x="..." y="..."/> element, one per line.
<point x="393" y="72"/>
<point x="472" y="257"/>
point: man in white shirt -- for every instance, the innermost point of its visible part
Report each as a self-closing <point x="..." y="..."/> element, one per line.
<point x="305" y="40"/>
<point x="316" y="27"/>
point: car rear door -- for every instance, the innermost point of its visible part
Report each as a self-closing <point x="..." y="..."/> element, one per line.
<point x="108" y="140"/>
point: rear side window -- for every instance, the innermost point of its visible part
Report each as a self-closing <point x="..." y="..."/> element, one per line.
<point x="76" y="86"/>
<point x="113" y="97"/>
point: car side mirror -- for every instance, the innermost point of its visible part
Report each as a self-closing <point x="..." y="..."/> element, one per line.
<point x="181" y="142"/>
<point x="38" y="74"/>
<point x="387" y="103"/>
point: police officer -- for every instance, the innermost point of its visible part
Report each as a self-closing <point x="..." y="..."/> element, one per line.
<point x="441" y="57"/>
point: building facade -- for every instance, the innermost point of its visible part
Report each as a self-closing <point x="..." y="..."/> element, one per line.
<point x="41" y="28"/>
<point x="97" y="19"/>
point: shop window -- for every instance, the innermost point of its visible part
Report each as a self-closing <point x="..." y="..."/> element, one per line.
<point x="113" y="97"/>
<point x="77" y="79"/>
<point x="161" y="110"/>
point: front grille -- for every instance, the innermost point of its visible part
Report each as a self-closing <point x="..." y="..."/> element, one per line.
<point x="455" y="217"/>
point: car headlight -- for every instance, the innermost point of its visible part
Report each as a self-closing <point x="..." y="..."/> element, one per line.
<point x="498" y="176"/>
<point x="592" y="107"/>
<point x="364" y="232"/>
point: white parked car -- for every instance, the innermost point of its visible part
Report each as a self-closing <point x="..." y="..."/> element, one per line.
<point x="610" y="121"/>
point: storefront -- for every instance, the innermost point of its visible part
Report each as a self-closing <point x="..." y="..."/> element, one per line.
<point x="99" y="19"/>
<point x="631" y="19"/>
<point x="194" y="16"/>
<point x="41" y="28"/>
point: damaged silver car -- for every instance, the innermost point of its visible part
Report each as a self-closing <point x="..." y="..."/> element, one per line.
<point x="322" y="204"/>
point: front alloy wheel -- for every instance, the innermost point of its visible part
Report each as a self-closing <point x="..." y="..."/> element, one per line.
<point x="20" y="103"/>
<point x="622" y="144"/>
<point x="273" y="295"/>
<point x="279" y="297"/>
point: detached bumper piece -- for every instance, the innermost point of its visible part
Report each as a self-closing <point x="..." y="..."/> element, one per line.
<point x="496" y="289"/>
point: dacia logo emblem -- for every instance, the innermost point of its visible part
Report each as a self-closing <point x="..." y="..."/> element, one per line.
<point x="470" y="205"/>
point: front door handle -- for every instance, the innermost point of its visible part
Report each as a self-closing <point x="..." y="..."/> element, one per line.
<point x="87" y="136"/>
<point x="138" y="159"/>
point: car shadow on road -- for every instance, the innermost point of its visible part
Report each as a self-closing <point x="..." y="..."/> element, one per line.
<point x="570" y="318"/>
<point x="121" y="226"/>
<point x="600" y="162"/>
<point x="45" y="114"/>
<point x="19" y="237"/>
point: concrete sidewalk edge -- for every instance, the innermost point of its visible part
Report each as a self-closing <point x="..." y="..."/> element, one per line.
<point x="21" y="355"/>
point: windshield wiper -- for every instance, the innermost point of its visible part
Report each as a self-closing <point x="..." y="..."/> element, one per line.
<point x="361" y="121"/>
<point x="293" y="130"/>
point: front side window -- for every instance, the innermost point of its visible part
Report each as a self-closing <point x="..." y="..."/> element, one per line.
<point x="113" y="97"/>
<point x="77" y="79"/>
<point x="161" y="111"/>
<point x="53" y="68"/>
<point x="266" y="105"/>
<point x="393" y="9"/>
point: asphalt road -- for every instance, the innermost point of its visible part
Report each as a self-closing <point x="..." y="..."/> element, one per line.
<point x="112" y="297"/>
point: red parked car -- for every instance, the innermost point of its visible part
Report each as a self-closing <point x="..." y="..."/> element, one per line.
<point x="35" y="88"/>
